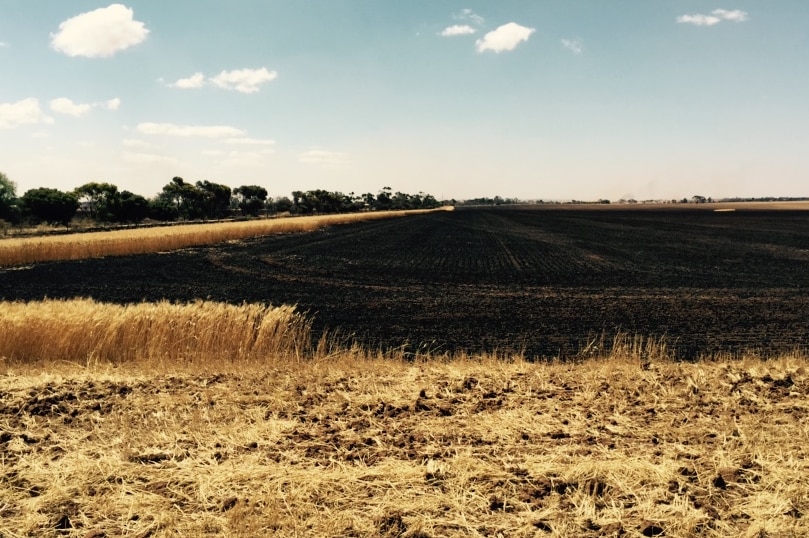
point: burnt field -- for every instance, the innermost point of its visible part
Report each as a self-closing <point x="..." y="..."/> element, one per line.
<point x="544" y="281"/>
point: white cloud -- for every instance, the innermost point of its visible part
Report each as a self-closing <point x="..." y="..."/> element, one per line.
<point x="458" y="29"/>
<point x="63" y="105"/>
<point x="735" y="15"/>
<point x="240" y="80"/>
<point x="699" y="20"/>
<point x="197" y="80"/>
<point x="505" y="37"/>
<point x="99" y="33"/>
<point x="469" y="15"/>
<point x="3" y="44"/>
<point x="324" y="158"/>
<point x="243" y="80"/>
<point x="573" y="45"/>
<point x="25" y="111"/>
<point x="716" y="16"/>
<point x="207" y="131"/>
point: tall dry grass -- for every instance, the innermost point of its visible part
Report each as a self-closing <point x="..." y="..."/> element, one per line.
<point x="83" y="331"/>
<point x="20" y="251"/>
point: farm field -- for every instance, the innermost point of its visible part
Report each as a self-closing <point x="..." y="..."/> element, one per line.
<point x="214" y="417"/>
<point x="612" y="446"/>
<point x="542" y="281"/>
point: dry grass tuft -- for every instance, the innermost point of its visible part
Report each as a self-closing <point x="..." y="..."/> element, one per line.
<point x="85" y="332"/>
<point x="348" y="443"/>
<point x="21" y="251"/>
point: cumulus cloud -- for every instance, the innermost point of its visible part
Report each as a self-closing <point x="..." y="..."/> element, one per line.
<point x="23" y="112"/>
<point x="505" y="37"/>
<point x="244" y="80"/>
<point x="573" y="45"/>
<point x="206" y="131"/>
<point x="325" y="158"/>
<point x="699" y="20"/>
<point x="197" y="80"/>
<point x="715" y="17"/>
<point x="63" y="105"/>
<point x="99" y="33"/>
<point x="240" y="80"/>
<point x="457" y="29"/>
<point x="735" y="15"/>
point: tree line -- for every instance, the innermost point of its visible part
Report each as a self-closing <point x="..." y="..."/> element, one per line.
<point x="181" y="200"/>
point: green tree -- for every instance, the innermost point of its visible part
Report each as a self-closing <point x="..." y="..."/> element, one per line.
<point x="250" y="199"/>
<point x="130" y="207"/>
<point x="183" y="196"/>
<point x="8" y="199"/>
<point x="384" y="199"/>
<point x="163" y="209"/>
<point x="213" y="200"/>
<point x="50" y="205"/>
<point x="400" y="200"/>
<point x="321" y="202"/>
<point x="429" y="202"/>
<point x="301" y="203"/>
<point x="369" y="200"/>
<point x="98" y="200"/>
<point x="282" y="204"/>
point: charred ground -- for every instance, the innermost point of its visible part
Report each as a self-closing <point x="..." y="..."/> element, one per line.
<point x="542" y="281"/>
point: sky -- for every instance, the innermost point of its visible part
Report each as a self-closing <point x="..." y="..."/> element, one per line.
<point x="551" y="99"/>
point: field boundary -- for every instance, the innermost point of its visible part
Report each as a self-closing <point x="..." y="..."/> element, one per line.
<point x="28" y="250"/>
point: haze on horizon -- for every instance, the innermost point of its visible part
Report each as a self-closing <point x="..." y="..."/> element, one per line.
<point x="553" y="100"/>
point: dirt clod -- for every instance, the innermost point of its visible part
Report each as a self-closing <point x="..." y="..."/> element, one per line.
<point x="63" y="523"/>
<point x="652" y="529"/>
<point x="544" y="526"/>
<point x="392" y="525"/>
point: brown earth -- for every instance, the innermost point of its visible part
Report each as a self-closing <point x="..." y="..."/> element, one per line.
<point x="372" y="449"/>
<point x="544" y="282"/>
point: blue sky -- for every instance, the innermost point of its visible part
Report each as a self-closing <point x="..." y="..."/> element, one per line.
<point x="553" y="99"/>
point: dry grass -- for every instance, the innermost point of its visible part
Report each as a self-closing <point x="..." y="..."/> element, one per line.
<point x="346" y="443"/>
<point x="85" y="332"/>
<point x="20" y="251"/>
